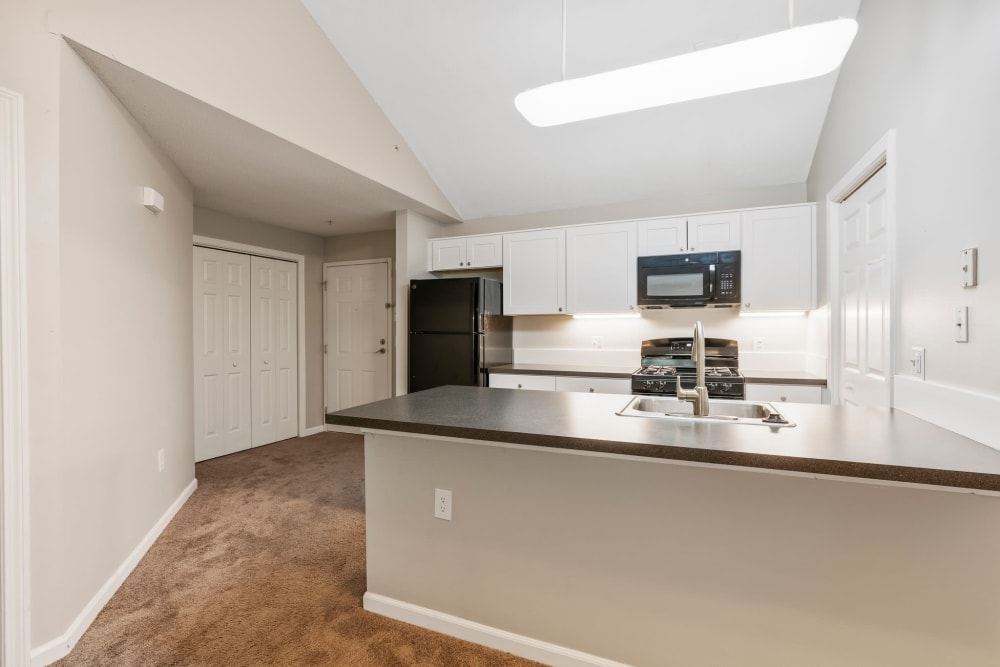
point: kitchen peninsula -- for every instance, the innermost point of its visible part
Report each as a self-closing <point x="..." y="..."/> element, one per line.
<point x="579" y="537"/>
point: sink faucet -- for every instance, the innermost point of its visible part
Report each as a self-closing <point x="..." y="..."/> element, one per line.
<point x="698" y="395"/>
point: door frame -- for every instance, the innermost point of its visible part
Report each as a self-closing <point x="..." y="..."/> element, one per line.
<point x="881" y="155"/>
<point x="300" y="261"/>
<point x="391" y="348"/>
<point x="14" y="580"/>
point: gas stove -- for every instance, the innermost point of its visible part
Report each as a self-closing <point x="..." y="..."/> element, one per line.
<point x="666" y="359"/>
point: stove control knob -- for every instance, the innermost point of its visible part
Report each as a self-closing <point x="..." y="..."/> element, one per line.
<point x="726" y="386"/>
<point x="711" y="386"/>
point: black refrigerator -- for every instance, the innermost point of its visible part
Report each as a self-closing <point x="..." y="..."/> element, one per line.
<point x="457" y="332"/>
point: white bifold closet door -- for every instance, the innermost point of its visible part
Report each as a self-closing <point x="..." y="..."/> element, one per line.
<point x="245" y="371"/>
<point x="274" y="381"/>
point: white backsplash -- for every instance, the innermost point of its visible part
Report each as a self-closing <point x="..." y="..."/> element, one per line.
<point x="785" y="343"/>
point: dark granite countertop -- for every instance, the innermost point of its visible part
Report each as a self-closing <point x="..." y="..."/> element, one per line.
<point x="868" y="443"/>
<point x="783" y="377"/>
<point x="567" y="370"/>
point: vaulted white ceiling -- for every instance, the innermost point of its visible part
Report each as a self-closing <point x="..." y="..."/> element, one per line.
<point x="445" y="72"/>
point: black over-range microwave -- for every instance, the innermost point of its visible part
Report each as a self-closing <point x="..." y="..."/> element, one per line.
<point x="695" y="279"/>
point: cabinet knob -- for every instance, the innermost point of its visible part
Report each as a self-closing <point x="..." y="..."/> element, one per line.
<point x="849" y="387"/>
<point x="519" y="386"/>
<point x="591" y="390"/>
<point x="691" y="248"/>
<point x="784" y="398"/>
<point x="560" y="309"/>
<point x="747" y="304"/>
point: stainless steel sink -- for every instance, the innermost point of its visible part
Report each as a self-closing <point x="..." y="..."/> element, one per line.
<point x="720" y="411"/>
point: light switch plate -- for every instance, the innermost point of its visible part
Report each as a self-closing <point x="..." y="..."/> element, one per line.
<point x="917" y="362"/>
<point x="970" y="257"/>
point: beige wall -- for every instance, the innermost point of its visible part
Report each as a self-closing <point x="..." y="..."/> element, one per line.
<point x="929" y="69"/>
<point x="650" y="563"/>
<point x="373" y="245"/>
<point x="216" y="225"/>
<point x="272" y="67"/>
<point x="109" y="325"/>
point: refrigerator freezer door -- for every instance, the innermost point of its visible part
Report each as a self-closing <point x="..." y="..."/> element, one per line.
<point x="440" y="359"/>
<point x="444" y="306"/>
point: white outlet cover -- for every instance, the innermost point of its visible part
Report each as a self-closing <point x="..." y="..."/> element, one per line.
<point x="442" y="504"/>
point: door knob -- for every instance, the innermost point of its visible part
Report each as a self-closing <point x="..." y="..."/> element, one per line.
<point x="382" y="351"/>
<point x="266" y="362"/>
<point x="235" y="364"/>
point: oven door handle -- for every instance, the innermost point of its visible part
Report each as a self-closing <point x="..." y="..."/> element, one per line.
<point x="711" y="281"/>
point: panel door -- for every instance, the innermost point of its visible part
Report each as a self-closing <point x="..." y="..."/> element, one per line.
<point x="662" y="236"/>
<point x="713" y="232"/>
<point x="601" y="268"/>
<point x="221" y="282"/>
<point x="484" y="251"/>
<point x="778" y="259"/>
<point x="534" y="272"/>
<point x="447" y="254"/>
<point x="357" y="335"/>
<point x="865" y="284"/>
<point x="273" y="333"/>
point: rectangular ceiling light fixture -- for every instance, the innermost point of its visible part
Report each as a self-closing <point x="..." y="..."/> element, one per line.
<point x="791" y="55"/>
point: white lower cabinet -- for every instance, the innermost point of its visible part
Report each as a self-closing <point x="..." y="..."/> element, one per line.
<point x="511" y="381"/>
<point x="593" y="385"/>
<point x="784" y="393"/>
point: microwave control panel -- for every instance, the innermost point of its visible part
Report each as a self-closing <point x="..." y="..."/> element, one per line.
<point x="727" y="284"/>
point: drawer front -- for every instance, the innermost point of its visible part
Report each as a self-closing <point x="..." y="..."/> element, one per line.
<point x="784" y="393"/>
<point x="510" y="381"/>
<point x="594" y="385"/>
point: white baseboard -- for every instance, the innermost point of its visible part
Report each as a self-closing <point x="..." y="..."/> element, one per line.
<point x="519" y="645"/>
<point x="312" y="430"/>
<point x="343" y="429"/>
<point x="967" y="413"/>
<point x="60" y="647"/>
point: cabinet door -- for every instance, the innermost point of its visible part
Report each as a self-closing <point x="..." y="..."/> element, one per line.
<point x="662" y="236"/>
<point x="512" y="381"/>
<point x="601" y="268"/>
<point x="594" y="385"/>
<point x="534" y="272"/>
<point x="713" y="232"/>
<point x="447" y="254"/>
<point x="484" y="251"/>
<point x="782" y="393"/>
<point x="778" y="259"/>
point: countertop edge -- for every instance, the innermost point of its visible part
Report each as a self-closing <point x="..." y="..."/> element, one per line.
<point x="972" y="481"/>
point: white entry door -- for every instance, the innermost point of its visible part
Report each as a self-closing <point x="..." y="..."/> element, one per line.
<point x="357" y="334"/>
<point x="274" y="382"/>
<point x="865" y="287"/>
<point x="221" y="352"/>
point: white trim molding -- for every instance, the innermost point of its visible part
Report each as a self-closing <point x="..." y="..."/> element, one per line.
<point x="312" y="430"/>
<point x="14" y="630"/>
<point x="61" y="646"/>
<point x="300" y="261"/>
<point x="965" y="412"/>
<point x="484" y="635"/>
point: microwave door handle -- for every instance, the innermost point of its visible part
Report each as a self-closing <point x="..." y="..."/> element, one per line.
<point x="711" y="280"/>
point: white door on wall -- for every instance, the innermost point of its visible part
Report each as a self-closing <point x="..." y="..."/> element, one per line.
<point x="357" y="334"/>
<point x="222" y="352"/>
<point x="865" y="287"/>
<point x="274" y="382"/>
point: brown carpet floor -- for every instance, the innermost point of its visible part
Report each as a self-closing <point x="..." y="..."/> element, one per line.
<point x="265" y="565"/>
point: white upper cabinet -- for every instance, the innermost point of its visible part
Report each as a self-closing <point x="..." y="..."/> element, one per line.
<point x="779" y="249"/>
<point x="601" y="268"/>
<point x="710" y="232"/>
<point x="534" y="272"/>
<point x="465" y="252"/>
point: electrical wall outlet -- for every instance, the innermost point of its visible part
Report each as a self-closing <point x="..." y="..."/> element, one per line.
<point x="442" y="504"/>
<point x="597" y="342"/>
<point x="917" y="362"/>
<point x="161" y="460"/>
<point x="961" y="324"/>
<point x="758" y="344"/>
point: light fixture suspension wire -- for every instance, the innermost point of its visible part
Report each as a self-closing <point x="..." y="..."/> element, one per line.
<point x="563" y="40"/>
<point x="791" y="14"/>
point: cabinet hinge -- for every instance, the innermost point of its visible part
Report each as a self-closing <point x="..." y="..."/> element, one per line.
<point x="324" y="348"/>
<point x="324" y="285"/>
